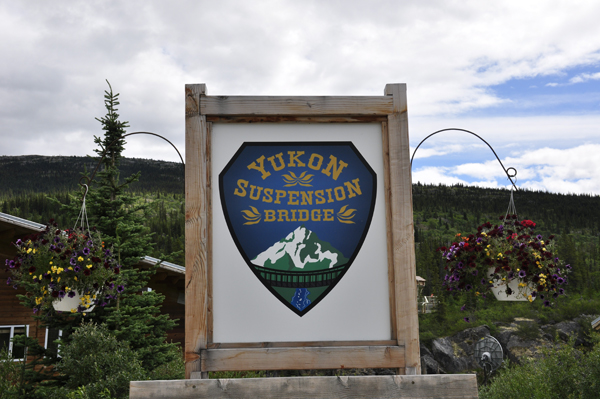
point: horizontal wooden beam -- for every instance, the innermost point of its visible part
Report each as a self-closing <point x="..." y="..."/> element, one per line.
<point x="452" y="386"/>
<point x="297" y="344"/>
<point x="273" y="105"/>
<point x="302" y="358"/>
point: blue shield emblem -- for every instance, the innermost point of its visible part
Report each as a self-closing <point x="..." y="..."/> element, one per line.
<point x="298" y="213"/>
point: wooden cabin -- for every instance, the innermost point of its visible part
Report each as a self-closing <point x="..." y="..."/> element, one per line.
<point x="17" y="319"/>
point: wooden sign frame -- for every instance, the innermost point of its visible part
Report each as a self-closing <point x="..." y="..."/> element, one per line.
<point x="202" y="355"/>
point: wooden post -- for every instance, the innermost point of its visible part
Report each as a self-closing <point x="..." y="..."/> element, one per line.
<point x="197" y="229"/>
<point x="405" y="285"/>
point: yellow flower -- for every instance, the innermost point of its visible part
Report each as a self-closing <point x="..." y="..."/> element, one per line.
<point x="58" y="280"/>
<point x="74" y="310"/>
<point x="80" y="259"/>
<point x="50" y="262"/>
<point x="29" y="250"/>
<point x="75" y="277"/>
<point x="530" y="298"/>
<point x="89" y="266"/>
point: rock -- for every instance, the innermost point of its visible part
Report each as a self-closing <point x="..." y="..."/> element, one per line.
<point x="430" y="366"/>
<point x="455" y="353"/>
<point x="567" y="329"/>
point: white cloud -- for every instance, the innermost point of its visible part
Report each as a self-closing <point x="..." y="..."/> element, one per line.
<point x="571" y="170"/>
<point x="448" y="53"/>
<point x="584" y="77"/>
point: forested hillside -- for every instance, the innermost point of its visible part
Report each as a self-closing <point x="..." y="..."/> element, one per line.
<point x="440" y="212"/>
<point x="42" y="174"/>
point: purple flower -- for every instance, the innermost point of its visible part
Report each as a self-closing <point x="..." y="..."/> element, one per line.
<point x="120" y="289"/>
<point x="71" y="294"/>
<point x="533" y="294"/>
<point x="568" y="267"/>
<point x="11" y="264"/>
<point x="555" y="295"/>
<point x="52" y="247"/>
<point x="61" y="294"/>
<point x="446" y="277"/>
<point x="467" y="320"/>
<point x="468" y="287"/>
<point x="539" y="237"/>
<point x="522" y="274"/>
<point x="56" y="239"/>
<point x="511" y="275"/>
<point x="103" y="304"/>
<point x="77" y="269"/>
<point x="8" y="281"/>
<point x="86" y="251"/>
<point x="474" y="272"/>
<point x="561" y="291"/>
<point x="479" y="240"/>
<point x="483" y="282"/>
<point x="560" y="280"/>
<point x="459" y="265"/>
<point x="111" y="286"/>
<point x="462" y="309"/>
<point x="546" y="303"/>
<point x="90" y="243"/>
<point x="73" y="261"/>
<point x="19" y="242"/>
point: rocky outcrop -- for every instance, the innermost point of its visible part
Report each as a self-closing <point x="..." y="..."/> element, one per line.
<point x="520" y="339"/>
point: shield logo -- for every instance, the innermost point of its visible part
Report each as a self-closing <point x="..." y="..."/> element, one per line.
<point x="298" y="213"/>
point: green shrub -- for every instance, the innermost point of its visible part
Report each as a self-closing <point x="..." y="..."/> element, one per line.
<point x="173" y="370"/>
<point x="96" y="361"/>
<point x="9" y="375"/>
<point x="562" y="374"/>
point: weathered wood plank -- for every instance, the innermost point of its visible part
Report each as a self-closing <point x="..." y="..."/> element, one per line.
<point x="405" y="291"/>
<point x="280" y="105"/>
<point x="454" y="386"/>
<point x="315" y="344"/>
<point x="303" y="358"/>
<point x="296" y="119"/>
<point x="197" y="214"/>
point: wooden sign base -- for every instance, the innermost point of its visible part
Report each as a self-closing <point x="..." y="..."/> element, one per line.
<point x="459" y="386"/>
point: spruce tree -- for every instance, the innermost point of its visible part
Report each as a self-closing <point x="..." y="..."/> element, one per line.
<point x="119" y="215"/>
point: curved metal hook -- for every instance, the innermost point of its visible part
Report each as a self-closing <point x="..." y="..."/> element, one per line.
<point x="90" y="179"/>
<point x="480" y="138"/>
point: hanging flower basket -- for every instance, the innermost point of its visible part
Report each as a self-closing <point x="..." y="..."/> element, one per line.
<point x="75" y="301"/>
<point x="520" y="291"/>
<point x="69" y="270"/>
<point x="508" y="260"/>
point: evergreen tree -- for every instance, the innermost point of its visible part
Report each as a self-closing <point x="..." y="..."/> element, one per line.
<point x="118" y="215"/>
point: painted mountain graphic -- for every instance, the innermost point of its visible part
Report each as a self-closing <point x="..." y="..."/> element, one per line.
<point x="301" y="250"/>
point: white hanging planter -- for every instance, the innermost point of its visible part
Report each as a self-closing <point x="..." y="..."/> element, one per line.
<point x="518" y="293"/>
<point x="67" y="304"/>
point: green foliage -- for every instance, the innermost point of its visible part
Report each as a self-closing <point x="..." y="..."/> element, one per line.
<point x="97" y="361"/>
<point x="562" y="373"/>
<point x="10" y="372"/>
<point x="173" y="370"/>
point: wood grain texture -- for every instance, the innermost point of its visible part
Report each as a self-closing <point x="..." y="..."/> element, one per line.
<point x="454" y="386"/>
<point x="405" y="291"/>
<point x="388" y="226"/>
<point x="299" y="344"/>
<point x="280" y="105"/>
<point x="197" y="191"/>
<point x="302" y="358"/>
<point x="296" y="119"/>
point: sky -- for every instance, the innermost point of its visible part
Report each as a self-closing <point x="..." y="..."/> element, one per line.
<point x="523" y="75"/>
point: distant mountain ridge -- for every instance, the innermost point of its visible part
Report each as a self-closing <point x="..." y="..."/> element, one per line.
<point x="37" y="173"/>
<point x="300" y="250"/>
